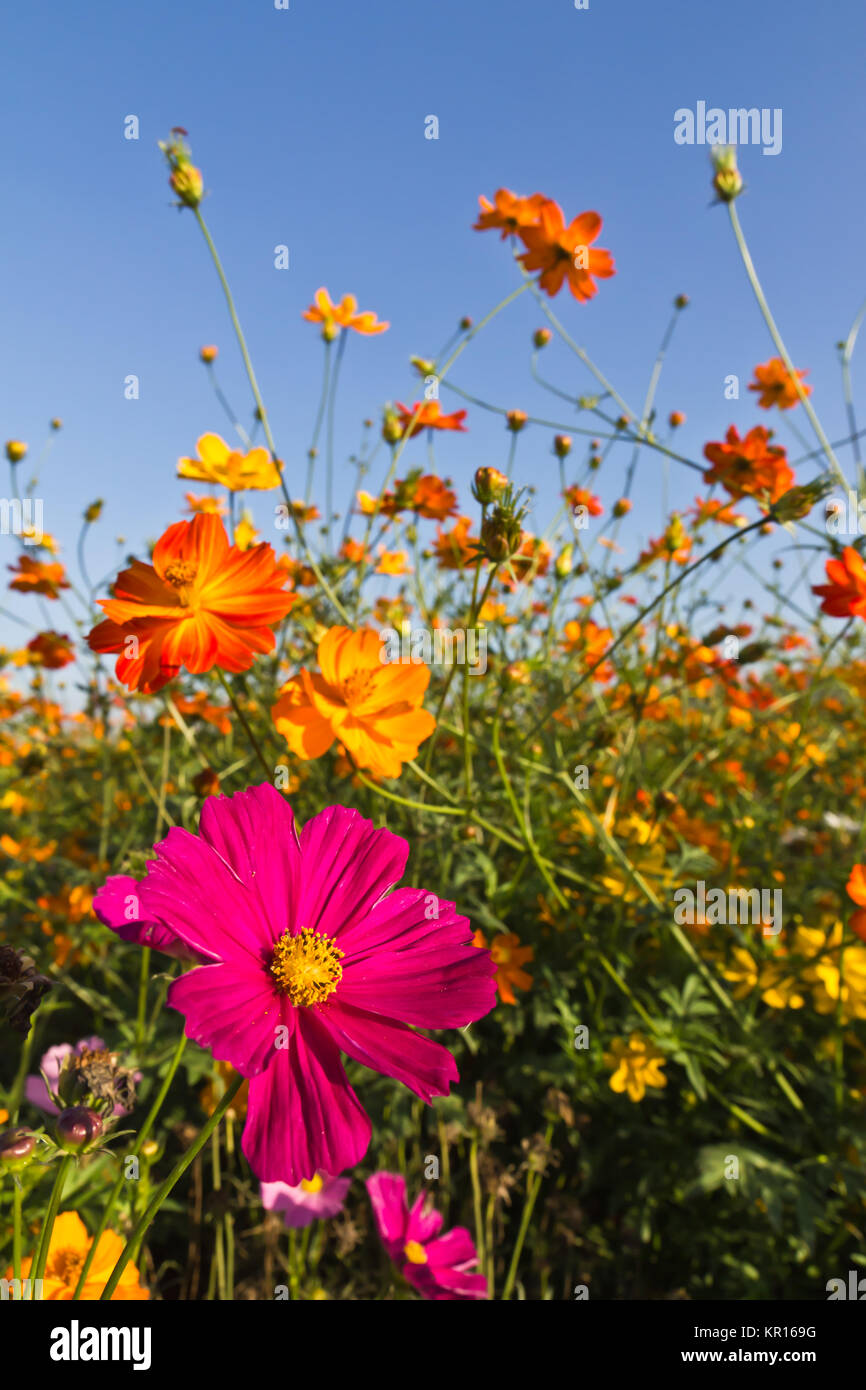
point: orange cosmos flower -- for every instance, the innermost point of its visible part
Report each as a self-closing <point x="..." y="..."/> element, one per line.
<point x="197" y="504"/>
<point x="393" y="562"/>
<point x="456" y="549"/>
<point x="582" y="497"/>
<point x="533" y="558"/>
<point x="217" y="463"/>
<point x="674" y="545"/>
<point x="591" y="641"/>
<point x="34" y="577"/>
<point x="508" y="212"/>
<point x="777" y="386"/>
<point x="353" y="551"/>
<point x="202" y="603"/>
<point x="430" y="417"/>
<point x="333" y="316"/>
<point x="712" y="509"/>
<point x="845" y="595"/>
<point x="566" y="253"/>
<point x="749" y="467"/>
<point x="69" y="1247"/>
<point x="373" y="708"/>
<point x="51" y="649"/>
<point x="508" y="957"/>
<point x="199" y="707"/>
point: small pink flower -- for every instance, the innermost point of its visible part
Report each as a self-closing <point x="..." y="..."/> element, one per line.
<point x="305" y="953"/>
<point x="437" y="1266"/>
<point x="312" y="1200"/>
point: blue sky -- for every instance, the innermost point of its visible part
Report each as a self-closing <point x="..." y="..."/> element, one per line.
<point x="309" y="127"/>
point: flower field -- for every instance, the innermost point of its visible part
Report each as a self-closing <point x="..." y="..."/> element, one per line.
<point x="411" y="892"/>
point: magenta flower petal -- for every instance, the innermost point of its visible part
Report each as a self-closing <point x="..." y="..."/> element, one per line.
<point x="254" y="833"/>
<point x="198" y="895"/>
<point x="424" y="1221"/>
<point x="434" y="986"/>
<point x="387" y="1192"/>
<point x="401" y="921"/>
<point x="453" y="1250"/>
<point x="348" y="866"/>
<point x="234" y="1012"/>
<point x="386" y="1046"/>
<point x="302" y="1114"/>
<point x="117" y="904"/>
<point x="441" y="1284"/>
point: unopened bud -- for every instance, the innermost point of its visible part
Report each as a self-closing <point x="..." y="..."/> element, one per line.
<point x="488" y="485"/>
<point x="562" y="445"/>
<point x="77" y="1128"/>
<point x="209" y="353"/>
<point x="16" y="1149"/>
<point x="15" y="450"/>
<point x="728" y="181"/>
<point x="541" y="337"/>
<point x="94" y="511"/>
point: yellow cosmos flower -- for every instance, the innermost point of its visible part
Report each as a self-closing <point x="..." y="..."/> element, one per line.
<point x="636" y="1065"/>
<point x="217" y="463"/>
<point x="67" y="1252"/>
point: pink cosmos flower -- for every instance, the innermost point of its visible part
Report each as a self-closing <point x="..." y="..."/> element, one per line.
<point x="312" y="1200"/>
<point x="306" y="954"/>
<point x="437" y="1266"/>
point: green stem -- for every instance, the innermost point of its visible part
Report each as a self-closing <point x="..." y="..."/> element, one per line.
<point x="134" y="1152"/>
<point x="166" y="1187"/>
<point x="38" y="1270"/>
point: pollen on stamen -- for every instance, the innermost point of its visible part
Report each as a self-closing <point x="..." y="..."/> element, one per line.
<point x="307" y="966"/>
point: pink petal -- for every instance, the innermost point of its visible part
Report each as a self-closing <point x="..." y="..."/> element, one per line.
<point x="442" y="985"/>
<point x="254" y="833"/>
<point x="389" y="1047"/>
<point x="348" y="866"/>
<point x="118" y="906"/>
<point x="387" y="1192"/>
<point x="302" y="1114"/>
<point x="234" y="1012"/>
<point x="424" y="1220"/>
<point x="192" y="890"/>
<point x="453" y="1250"/>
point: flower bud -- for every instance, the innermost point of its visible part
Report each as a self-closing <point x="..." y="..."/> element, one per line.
<point x="488" y="486"/>
<point x="56" y="424"/>
<point x="541" y="337"/>
<point x="562" y="445"/>
<point x="622" y="507"/>
<point x="595" y="462"/>
<point x="681" y="301"/>
<point x="728" y="181"/>
<point x="676" y="418"/>
<point x="797" y="502"/>
<point x="392" y="430"/>
<point x="15" y="450"/>
<point x="209" y="353"/>
<point x="77" y="1128"/>
<point x="516" y="420"/>
<point x="465" y="324"/>
<point x="16" y="1149"/>
<point x="423" y="366"/>
<point x="94" y="511"/>
<point x="501" y="534"/>
<point x="564" y="561"/>
<point x="188" y="184"/>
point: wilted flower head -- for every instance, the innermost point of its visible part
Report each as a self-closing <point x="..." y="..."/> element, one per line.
<point x="21" y="988"/>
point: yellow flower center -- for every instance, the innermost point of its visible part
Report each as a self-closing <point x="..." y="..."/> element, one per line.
<point x="415" y="1252"/>
<point x="66" y="1265"/>
<point x="312" y="1184"/>
<point x="307" y="967"/>
<point x="357" y="687"/>
<point x="180" y="574"/>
